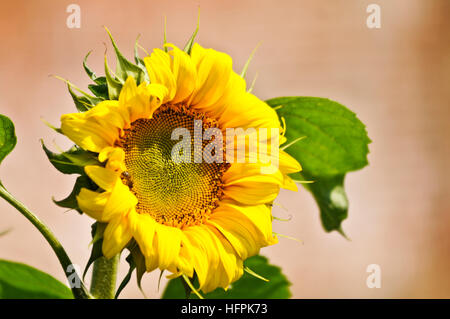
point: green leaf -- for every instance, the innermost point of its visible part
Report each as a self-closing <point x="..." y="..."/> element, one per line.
<point x="336" y="143"/>
<point x="248" y="287"/>
<point x="19" y="281"/>
<point x="330" y="195"/>
<point x="336" y="140"/>
<point x="71" y="161"/>
<point x="8" y="138"/>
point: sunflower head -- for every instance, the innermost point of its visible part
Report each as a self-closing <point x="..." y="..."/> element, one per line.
<point x="167" y="175"/>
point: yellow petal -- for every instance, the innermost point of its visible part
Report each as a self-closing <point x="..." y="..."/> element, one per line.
<point x="159" y="70"/>
<point x="213" y="73"/>
<point x="246" y="184"/>
<point x="167" y="243"/>
<point x="103" y="177"/>
<point x="288" y="164"/>
<point x="248" y="111"/>
<point x="117" y="234"/>
<point x="121" y="201"/>
<point x="184" y="72"/>
<point x="143" y="228"/>
<point x="93" y="203"/>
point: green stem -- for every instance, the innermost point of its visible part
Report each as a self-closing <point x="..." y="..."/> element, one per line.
<point x="103" y="284"/>
<point x="78" y="292"/>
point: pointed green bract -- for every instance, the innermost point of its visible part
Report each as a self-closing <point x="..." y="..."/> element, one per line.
<point x="97" y="230"/>
<point x="136" y="261"/>
<point x="190" y="43"/>
<point x="336" y="143"/>
<point x="114" y="86"/>
<point x="72" y="161"/>
<point x="70" y="201"/>
<point x="83" y="102"/>
<point x="127" y="277"/>
<point x="125" y="68"/>
<point x="89" y="72"/>
<point x="139" y="62"/>
<point x="247" y="64"/>
<point x="8" y="137"/>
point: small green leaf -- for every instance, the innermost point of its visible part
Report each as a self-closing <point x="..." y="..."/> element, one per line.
<point x="248" y="287"/>
<point x="19" y="281"/>
<point x="8" y="138"/>
<point x="336" y="143"/>
<point x="72" y="161"/>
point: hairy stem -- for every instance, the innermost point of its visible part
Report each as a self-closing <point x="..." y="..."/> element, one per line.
<point x="79" y="290"/>
<point x="103" y="284"/>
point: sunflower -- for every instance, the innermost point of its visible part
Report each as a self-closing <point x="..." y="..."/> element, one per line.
<point x="190" y="218"/>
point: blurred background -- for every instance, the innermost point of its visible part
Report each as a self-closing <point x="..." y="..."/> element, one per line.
<point x="396" y="78"/>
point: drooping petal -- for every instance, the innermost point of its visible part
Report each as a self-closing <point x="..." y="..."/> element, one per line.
<point x="247" y="228"/>
<point x="247" y="184"/>
<point x="167" y="243"/>
<point x="117" y="234"/>
<point x="93" y="203"/>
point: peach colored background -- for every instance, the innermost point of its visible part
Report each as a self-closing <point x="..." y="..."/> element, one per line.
<point x="395" y="78"/>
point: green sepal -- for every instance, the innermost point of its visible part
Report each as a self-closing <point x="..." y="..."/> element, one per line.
<point x="191" y="41"/>
<point x="136" y="261"/>
<point x="139" y="262"/>
<point x="72" y="161"/>
<point x="140" y="62"/>
<point x="85" y="101"/>
<point x="100" y="89"/>
<point x="70" y="201"/>
<point x="88" y="70"/>
<point x="114" y="85"/>
<point x="127" y="277"/>
<point x="125" y="68"/>
<point x="97" y="230"/>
